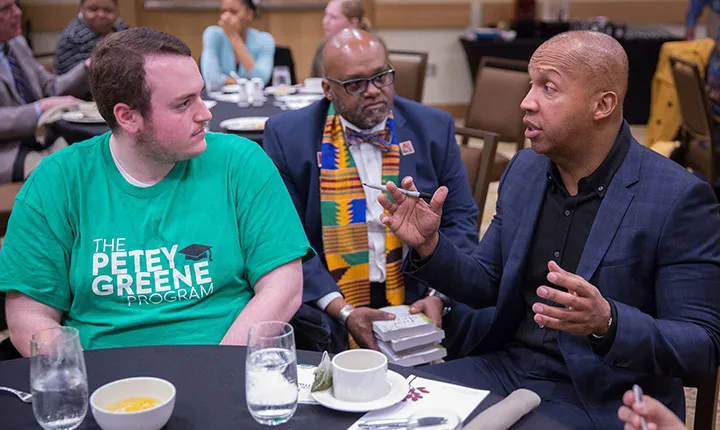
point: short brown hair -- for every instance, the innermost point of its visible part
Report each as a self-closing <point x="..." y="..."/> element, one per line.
<point x="117" y="70"/>
<point x="355" y="9"/>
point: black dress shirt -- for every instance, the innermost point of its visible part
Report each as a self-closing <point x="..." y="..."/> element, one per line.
<point x="561" y="232"/>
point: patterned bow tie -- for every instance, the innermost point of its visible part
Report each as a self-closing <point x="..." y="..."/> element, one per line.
<point x="381" y="139"/>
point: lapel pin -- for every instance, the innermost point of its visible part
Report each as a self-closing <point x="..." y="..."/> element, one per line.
<point x="406" y="148"/>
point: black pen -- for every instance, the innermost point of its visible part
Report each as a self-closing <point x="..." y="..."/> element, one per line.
<point x="638" y="393"/>
<point x="426" y="196"/>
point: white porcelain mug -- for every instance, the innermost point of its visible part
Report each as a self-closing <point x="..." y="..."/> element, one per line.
<point x="359" y="375"/>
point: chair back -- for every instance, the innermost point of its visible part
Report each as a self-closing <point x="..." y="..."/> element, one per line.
<point x="482" y="164"/>
<point x="8" y="192"/>
<point x="410" y="70"/>
<point x="500" y="87"/>
<point x="699" y="151"/>
<point x="283" y="57"/>
<point x="708" y="387"/>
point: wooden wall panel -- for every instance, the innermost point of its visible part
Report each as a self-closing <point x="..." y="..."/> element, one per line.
<point x="424" y="15"/>
<point x="395" y="14"/>
<point x="49" y="17"/>
<point x="301" y="30"/>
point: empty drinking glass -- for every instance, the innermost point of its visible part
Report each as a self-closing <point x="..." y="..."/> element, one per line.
<point x="256" y="87"/>
<point x="281" y="76"/>
<point x="58" y="379"/>
<point x="271" y="388"/>
<point x="243" y="96"/>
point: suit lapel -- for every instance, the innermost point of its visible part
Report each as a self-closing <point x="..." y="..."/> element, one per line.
<point x="30" y="83"/>
<point x="611" y="213"/>
<point x="532" y="201"/>
<point x="408" y="163"/>
<point x="5" y="78"/>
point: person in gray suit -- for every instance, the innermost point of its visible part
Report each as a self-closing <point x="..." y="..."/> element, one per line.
<point x="26" y="91"/>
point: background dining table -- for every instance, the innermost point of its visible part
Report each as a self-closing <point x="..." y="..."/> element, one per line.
<point x="74" y="132"/>
<point x="210" y="382"/>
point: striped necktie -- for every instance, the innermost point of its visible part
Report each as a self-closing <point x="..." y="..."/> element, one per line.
<point x="19" y="77"/>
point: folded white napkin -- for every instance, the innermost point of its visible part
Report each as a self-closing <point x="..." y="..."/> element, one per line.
<point x="507" y="412"/>
<point x="55" y="114"/>
<point x="306" y="376"/>
<point x="425" y="394"/>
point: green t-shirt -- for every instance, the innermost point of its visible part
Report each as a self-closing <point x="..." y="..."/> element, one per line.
<point x="174" y="263"/>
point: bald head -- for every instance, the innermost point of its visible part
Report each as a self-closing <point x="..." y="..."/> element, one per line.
<point x="348" y="47"/>
<point x="595" y="58"/>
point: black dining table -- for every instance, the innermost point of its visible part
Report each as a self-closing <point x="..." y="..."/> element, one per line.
<point x="74" y="132"/>
<point x="210" y="382"/>
<point x="641" y="45"/>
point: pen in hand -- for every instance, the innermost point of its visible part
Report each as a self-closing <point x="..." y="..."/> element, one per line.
<point x="637" y="392"/>
<point x="426" y="196"/>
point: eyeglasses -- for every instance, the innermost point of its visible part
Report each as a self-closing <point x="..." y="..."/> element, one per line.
<point x="360" y="85"/>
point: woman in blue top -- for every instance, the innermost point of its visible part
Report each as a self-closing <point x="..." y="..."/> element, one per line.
<point x="233" y="45"/>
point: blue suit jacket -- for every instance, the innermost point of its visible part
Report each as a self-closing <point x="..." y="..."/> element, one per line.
<point x="294" y="139"/>
<point x="654" y="249"/>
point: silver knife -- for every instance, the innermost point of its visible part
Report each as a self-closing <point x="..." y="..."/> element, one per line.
<point x="401" y="423"/>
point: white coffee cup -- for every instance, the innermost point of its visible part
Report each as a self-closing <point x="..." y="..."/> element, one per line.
<point x="359" y="375"/>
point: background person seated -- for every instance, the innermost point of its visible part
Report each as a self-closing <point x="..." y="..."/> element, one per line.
<point x="97" y="18"/>
<point x="233" y="45"/>
<point x="339" y="14"/>
<point x="26" y="91"/>
<point x="376" y="136"/>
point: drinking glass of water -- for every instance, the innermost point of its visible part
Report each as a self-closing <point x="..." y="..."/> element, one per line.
<point x="271" y="388"/>
<point x="58" y="379"/>
<point x="281" y="76"/>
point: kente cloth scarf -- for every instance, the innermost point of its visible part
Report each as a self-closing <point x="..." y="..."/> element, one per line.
<point x="343" y="209"/>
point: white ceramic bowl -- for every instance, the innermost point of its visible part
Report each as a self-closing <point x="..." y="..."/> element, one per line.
<point x="149" y="419"/>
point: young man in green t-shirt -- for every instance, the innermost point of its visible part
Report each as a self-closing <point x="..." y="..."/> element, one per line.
<point x="154" y="233"/>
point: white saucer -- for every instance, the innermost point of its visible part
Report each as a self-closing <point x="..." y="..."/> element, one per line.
<point x="210" y="103"/>
<point x="250" y="123"/>
<point x="397" y="391"/>
<point x="280" y="91"/>
<point x="230" y="88"/>
<point x="83" y="118"/>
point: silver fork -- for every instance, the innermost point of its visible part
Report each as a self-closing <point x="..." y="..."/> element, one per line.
<point x="25" y="397"/>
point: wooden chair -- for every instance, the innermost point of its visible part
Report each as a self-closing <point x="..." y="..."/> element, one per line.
<point x="708" y="388"/>
<point x="410" y="70"/>
<point x="494" y="115"/>
<point x="500" y="87"/>
<point x="483" y="165"/>
<point x="8" y="192"/>
<point x="283" y="57"/>
<point x="697" y="148"/>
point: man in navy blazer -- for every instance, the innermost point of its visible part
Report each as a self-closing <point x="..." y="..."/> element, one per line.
<point x="293" y="140"/>
<point x="603" y="258"/>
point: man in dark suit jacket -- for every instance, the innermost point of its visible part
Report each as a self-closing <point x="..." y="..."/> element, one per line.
<point x="26" y="91"/>
<point x="603" y="259"/>
<point x="429" y="152"/>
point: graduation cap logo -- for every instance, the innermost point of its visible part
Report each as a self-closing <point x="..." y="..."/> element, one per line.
<point x="197" y="252"/>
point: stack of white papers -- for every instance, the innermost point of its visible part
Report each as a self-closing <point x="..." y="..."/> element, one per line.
<point x="427" y="394"/>
<point x="409" y="339"/>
